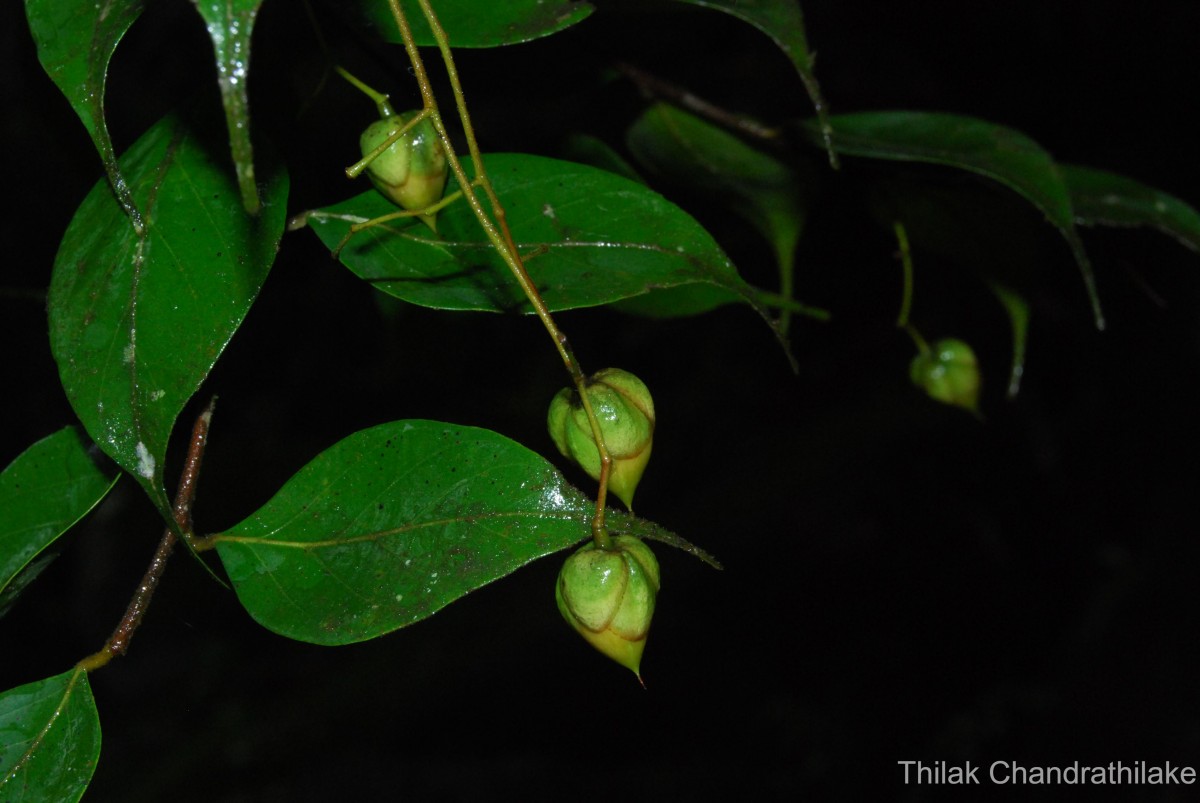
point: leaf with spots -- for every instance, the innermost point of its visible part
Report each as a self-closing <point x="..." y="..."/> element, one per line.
<point x="49" y="739"/>
<point x="589" y="238"/>
<point x="230" y="25"/>
<point x="395" y="522"/>
<point x="137" y="322"/>
<point x="75" y="42"/>
<point x="48" y="488"/>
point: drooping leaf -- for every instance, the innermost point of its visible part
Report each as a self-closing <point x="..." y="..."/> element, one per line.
<point x="49" y="487"/>
<point x="991" y="150"/>
<point x="393" y="523"/>
<point x="75" y="42"/>
<point x="136" y="323"/>
<point x="687" y="150"/>
<point x="230" y="25"/>
<point x="1100" y="198"/>
<point x="589" y="237"/>
<point x="783" y="22"/>
<point x="469" y="23"/>
<point x="49" y="739"/>
<point x="1018" y="316"/>
<point x="695" y="154"/>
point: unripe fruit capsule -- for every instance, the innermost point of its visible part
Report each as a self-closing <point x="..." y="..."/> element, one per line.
<point x="949" y="373"/>
<point x="412" y="171"/>
<point x="625" y="412"/>
<point x="608" y="595"/>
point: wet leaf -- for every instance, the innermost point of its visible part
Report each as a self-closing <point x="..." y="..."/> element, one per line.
<point x="470" y="23"/>
<point x="49" y="487"/>
<point x="230" y="25"/>
<point x="136" y="323"/>
<point x="393" y="523"/>
<point x="49" y="739"/>
<point x="75" y="42"/>
<point x="991" y="150"/>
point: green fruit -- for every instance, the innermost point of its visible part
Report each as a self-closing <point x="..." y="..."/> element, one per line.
<point x="412" y="171"/>
<point x="949" y="373"/>
<point x="607" y="596"/>
<point x="625" y="411"/>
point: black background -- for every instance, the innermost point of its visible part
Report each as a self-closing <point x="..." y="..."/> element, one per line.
<point x="902" y="581"/>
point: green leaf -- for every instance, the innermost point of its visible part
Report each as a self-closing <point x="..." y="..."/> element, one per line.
<point x="589" y="237"/>
<point x="48" y="488"/>
<point x="693" y="153"/>
<point x="589" y="150"/>
<point x="676" y="302"/>
<point x="393" y="523"/>
<point x="1018" y="315"/>
<point x="75" y="42"/>
<point x="783" y="22"/>
<point x="230" y="25"/>
<point x="1101" y="198"/>
<point x="49" y="739"/>
<point x="136" y="323"/>
<point x="999" y="153"/>
<point x="470" y="23"/>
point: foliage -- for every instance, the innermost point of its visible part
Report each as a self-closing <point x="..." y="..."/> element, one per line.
<point x="167" y="256"/>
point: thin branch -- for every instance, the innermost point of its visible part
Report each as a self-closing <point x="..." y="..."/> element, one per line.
<point x="497" y="231"/>
<point x="118" y="642"/>
<point x="653" y="87"/>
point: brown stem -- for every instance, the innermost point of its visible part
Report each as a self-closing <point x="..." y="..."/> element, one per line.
<point x="185" y="495"/>
<point x="653" y="86"/>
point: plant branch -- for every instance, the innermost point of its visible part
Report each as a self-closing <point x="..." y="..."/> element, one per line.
<point x="907" y="264"/>
<point x="185" y="495"/>
<point x="653" y="87"/>
<point x="902" y="321"/>
<point x="497" y="231"/>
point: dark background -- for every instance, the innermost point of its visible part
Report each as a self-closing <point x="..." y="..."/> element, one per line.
<point x="902" y="580"/>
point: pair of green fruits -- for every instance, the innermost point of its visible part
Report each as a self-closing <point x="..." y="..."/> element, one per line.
<point x="605" y="593"/>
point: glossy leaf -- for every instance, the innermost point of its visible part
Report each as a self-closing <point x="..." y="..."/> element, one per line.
<point x="1101" y="198"/>
<point x="75" y="42"/>
<point x="230" y="26"/>
<point x="991" y="150"/>
<point x="48" y="488"/>
<point x="391" y="524"/>
<point x="590" y="238"/>
<point x="49" y="739"/>
<point x="690" y="152"/>
<point x="783" y="22"/>
<point x="470" y="23"/>
<point x="136" y="323"/>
